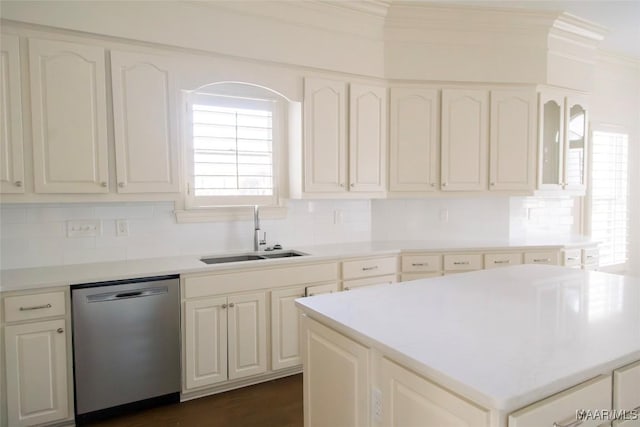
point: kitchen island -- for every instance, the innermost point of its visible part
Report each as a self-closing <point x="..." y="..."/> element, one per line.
<point x="517" y="346"/>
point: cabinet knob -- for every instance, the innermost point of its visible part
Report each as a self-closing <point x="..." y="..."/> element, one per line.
<point x="231" y="305"/>
<point x="121" y="184"/>
<point x="60" y="330"/>
<point x="224" y="305"/>
<point x="342" y="185"/>
<point x="353" y="185"/>
<point x="347" y="288"/>
<point x="493" y="183"/>
<point x="18" y="183"/>
<point x="433" y="184"/>
<point x="103" y="184"/>
<point x="444" y="184"/>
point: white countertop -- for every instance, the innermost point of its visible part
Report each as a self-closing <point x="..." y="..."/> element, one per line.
<point x="41" y="277"/>
<point x="503" y="338"/>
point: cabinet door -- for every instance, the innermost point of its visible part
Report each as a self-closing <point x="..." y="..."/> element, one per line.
<point x="551" y="131"/>
<point x="205" y="342"/>
<point x="325" y="135"/>
<point x="465" y="138"/>
<point x="410" y="400"/>
<point x="247" y="335"/>
<point x="285" y="330"/>
<point x="413" y="141"/>
<point x="11" y="154"/>
<point x="575" y="144"/>
<point x="626" y="392"/>
<point x="327" y="288"/>
<point x="144" y="115"/>
<point x="36" y="362"/>
<point x="512" y="144"/>
<point x="367" y="138"/>
<point x="335" y="378"/>
<point x="68" y="103"/>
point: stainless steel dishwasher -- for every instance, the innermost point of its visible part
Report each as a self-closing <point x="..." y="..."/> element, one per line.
<point x="126" y="345"/>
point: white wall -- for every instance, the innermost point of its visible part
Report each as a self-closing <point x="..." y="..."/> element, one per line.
<point x="35" y="235"/>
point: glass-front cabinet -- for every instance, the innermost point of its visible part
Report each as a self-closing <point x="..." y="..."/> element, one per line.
<point x="563" y="139"/>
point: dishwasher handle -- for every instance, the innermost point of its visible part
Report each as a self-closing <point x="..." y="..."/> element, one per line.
<point x="138" y="293"/>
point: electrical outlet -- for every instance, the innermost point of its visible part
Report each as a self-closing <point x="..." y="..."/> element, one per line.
<point x="84" y="228"/>
<point x="444" y="215"/>
<point x="337" y="216"/>
<point x="376" y="404"/>
<point x="122" y="228"/>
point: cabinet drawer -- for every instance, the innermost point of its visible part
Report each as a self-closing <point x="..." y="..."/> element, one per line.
<point x="550" y="258"/>
<point x="36" y="306"/>
<point x="502" y="260"/>
<point x="463" y="262"/>
<point x="560" y="409"/>
<point x="405" y="277"/>
<point x="626" y="388"/>
<point x="590" y="256"/>
<point x="328" y="288"/>
<point x="240" y="281"/>
<point x="572" y="257"/>
<point x="369" y="267"/>
<point x="369" y="281"/>
<point x="415" y="263"/>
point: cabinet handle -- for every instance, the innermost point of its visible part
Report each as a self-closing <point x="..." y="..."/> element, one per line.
<point x="461" y="263"/>
<point x="231" y="305"/>
<point x="590" y="256"/>
<point x="18" y="183"/>
<point x="572" y="258"/>
<point x="121" y="184"/>
<point x="224" y="305"/>
<point x="59" y="330"/>
<point x="575" y="423"/>
<point x="502" y="261"/>
<point x="375" y="267"/>
<point x="493" y="184"/>
<point x="420" y="264"/>
<point x="103" y="184"/>
<point x="35" y="307"/>
<point x="542" y="260"/>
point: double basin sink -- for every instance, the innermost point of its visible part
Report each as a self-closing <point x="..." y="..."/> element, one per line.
<point x="251" y="257"/>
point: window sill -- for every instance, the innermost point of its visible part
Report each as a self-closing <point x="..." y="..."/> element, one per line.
<point x="228" y="213"/>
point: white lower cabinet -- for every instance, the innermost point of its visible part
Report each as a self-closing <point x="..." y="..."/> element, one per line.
<point x="285" y="328"/>
<point x="626" y="394"/>
<point x="226" y="338"/>
<point x="335" y="378"/>
<point x="410" y="400"/>
<point x="561" y="409"/>
<point x="550" y="258"/>
<point x="36" y="367"/>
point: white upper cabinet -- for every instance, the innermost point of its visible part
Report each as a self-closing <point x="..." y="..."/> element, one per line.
<point x="551" y="129"/>
<point x="325" y="135"/>
<point x="575" y="143"/>
<point x="367" y="138"/>
<point x="512" y="140"/>
<point x="144" y="115"/>
<point x="413" y="140"/>
<point x="68" y="101"/>
<point x="465" y="138"/>
<point x="563" y="126"/>
<point x="11" y="154"/>
<point x="344" y="155"/>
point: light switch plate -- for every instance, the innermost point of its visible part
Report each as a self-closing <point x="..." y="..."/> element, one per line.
<point x="84" y="228"/>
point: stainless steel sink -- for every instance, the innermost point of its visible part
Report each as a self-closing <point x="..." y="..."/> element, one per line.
<point x="251" y="257"/>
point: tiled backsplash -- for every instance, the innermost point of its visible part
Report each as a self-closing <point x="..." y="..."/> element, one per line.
<point x="440" y="219"/>
<point x="36" y="235"/>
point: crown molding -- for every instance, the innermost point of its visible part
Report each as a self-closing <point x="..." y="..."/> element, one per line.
<point x="580" y="27"/>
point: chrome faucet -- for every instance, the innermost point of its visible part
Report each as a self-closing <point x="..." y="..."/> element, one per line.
<point x="256" y="230"/>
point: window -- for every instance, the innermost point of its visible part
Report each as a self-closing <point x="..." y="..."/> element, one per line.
<point x="609" y="196"/>
<point x="232" y="157"/>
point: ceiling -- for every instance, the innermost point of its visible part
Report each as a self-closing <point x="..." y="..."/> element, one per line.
<point x="620" y="17"/>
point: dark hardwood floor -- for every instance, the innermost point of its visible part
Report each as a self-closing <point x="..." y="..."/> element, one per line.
<point x="276" y="403"/>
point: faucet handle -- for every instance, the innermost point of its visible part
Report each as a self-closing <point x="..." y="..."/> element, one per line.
<point x="264" y="239"/>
